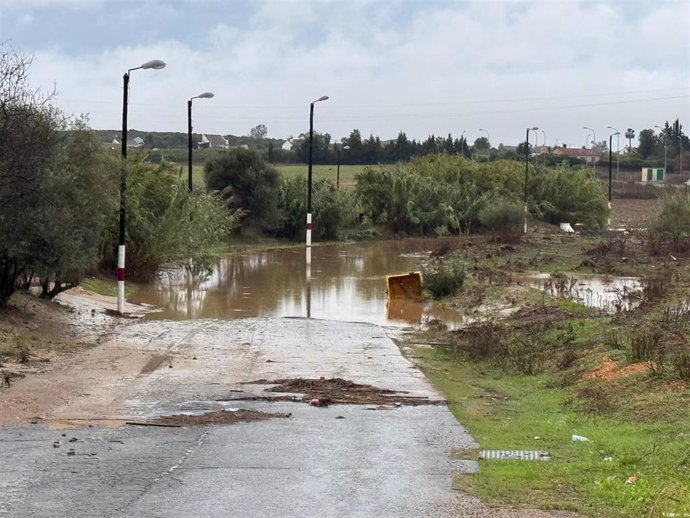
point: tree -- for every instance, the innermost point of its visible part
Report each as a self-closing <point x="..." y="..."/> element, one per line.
<point x="630" y="134"/>
<point x="253" y="184"/>
<point x="356" y="153"/>
<point x="521" y="149"/>
<point x="27" y="138"/>
<point x="258" y="132"/>
<point x="647" y="143"/>
<point x="57" y="188"/>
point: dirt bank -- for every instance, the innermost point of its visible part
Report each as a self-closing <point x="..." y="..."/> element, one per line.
<point x="49" y="355"/>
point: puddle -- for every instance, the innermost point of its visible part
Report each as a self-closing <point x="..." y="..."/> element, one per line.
<point x="348" y="283"/>
<point x="604" y="292"/>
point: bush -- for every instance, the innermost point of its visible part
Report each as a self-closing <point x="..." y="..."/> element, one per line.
<point x="444" y="279"/>
<point x="253" y="183"/>
<point x="673" y="219"/>
<point x="444" y="194"/>
<point x="333" y="209"/>
<point x="564" y="195"/>
<point x="504" y="219"/>
<point x="168" y="224"/>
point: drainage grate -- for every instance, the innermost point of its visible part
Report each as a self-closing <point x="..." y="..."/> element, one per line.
<point x="513" y="455"/>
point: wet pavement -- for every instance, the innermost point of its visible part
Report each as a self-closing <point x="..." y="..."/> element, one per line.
<point x="342" y="460"/>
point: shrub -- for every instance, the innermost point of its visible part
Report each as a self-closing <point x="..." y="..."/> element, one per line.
<point x="565" y="195"/>
<point x="444" y="279"/>
<point x="439" y="194"/>
<point x="333" y="209"/>
<point x="673" y="218"/>
<point x="504" y="219"/>
<point x="168" y="224"/>
<point x="254" y="184"/>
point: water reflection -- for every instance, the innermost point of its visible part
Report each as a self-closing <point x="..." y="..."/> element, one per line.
<point x="347" y="283"/>
<point x="607" y="293"/>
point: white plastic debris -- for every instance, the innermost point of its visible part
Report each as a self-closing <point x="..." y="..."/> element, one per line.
<point x="579" y="438"/>
<point x="566" y="227"/>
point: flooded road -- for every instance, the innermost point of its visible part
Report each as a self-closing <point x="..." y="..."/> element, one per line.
<point x="347" y="284"/>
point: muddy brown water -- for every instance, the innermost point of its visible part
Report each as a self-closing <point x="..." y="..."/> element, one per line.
<point x="347" y="284"/>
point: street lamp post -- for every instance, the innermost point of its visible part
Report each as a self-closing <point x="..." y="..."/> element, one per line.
<point x="527" y="168"/>
<point x="680" y="168"/>
<point x="309" y="207"/>
<point x="337" y="173"/>
<point x="610" y="167"/>
<point x="618" y="149"/>
<point x="488" y="138"/>
<point x="594" y="141"/>
<point x="205" y="95"/>
<point x="155" y="64"/>
<point x="681" y="143"/>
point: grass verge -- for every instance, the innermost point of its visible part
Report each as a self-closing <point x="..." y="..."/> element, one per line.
<point x="515" y="412"/>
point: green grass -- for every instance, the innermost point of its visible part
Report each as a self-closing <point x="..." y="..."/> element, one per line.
<point x="509" y="412"/>
<point x="347" y="172"/>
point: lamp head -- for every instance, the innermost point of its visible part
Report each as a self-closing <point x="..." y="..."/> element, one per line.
<point x="533" y="129"/>
<point x="205" y="95"/>
<point x="322" y="98"/>
<point x="155" y="64"/>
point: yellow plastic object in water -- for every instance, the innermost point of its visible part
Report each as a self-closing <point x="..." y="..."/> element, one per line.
<point x="405" y="286"/>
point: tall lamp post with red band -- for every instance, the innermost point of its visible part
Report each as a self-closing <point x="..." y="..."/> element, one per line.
<point x="309" y="206"/>
<point x="155" y="64"/>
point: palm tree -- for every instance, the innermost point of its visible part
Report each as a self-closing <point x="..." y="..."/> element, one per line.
<point x="630" y="134"/>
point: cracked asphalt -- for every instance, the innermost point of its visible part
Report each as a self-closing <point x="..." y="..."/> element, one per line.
<point x="341" y="460"/>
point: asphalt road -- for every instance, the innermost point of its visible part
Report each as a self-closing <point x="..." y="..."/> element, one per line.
<point x="341" y="460"/>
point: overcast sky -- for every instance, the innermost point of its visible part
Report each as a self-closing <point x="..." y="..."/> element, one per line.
<point x="420" y="66"/>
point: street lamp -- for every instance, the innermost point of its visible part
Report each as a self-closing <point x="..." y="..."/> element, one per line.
<point x="610" y="151"/>
<point x="527" y="167"/>
<point x="205" y="95"/>
<point x="155" y="64"/>
<point x="488" y="138"/>
<point x="618" y="148"/>
<point x="543" y="134"/>
<point x="337" y="174"/>
<point x="311" y="148"/>
<point x="680" y="138"/>
<point x="594" y="136"/>
<point x="681" y="143"/>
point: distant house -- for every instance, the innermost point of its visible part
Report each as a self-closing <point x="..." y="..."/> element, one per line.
<point x="291" y="143"/>
<point x="591" y="156"/>
<point x="213" y="142"/>
<point x="136" y="142"/>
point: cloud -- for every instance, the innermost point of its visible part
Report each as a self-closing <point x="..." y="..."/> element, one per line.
<point x="432" y="67"/>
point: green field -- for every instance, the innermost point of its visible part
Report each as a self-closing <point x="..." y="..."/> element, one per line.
<point x="347" y="173"/>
